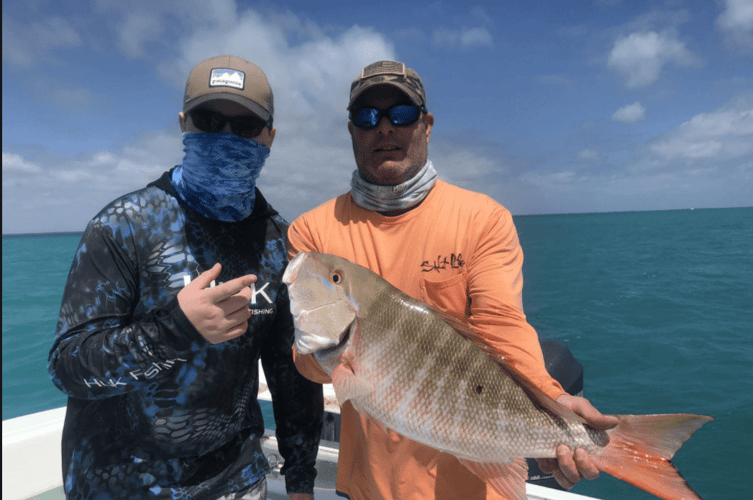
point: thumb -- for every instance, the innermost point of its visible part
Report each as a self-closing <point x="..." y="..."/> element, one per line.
<point x="206" y="277"/>
<point x="604" y="422"/>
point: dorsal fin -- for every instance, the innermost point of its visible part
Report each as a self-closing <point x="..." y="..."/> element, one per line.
<point x="538" y="397"/>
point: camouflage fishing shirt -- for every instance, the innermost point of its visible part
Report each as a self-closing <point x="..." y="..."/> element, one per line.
<point x="154" y="410"/>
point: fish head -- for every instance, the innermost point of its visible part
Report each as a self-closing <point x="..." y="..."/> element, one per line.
<point x="320" y="300"/>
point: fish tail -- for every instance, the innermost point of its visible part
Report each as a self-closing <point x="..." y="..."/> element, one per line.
<point x="640" y="449"/>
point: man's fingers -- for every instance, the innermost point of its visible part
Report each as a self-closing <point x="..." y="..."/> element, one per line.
<point x="585" y="465"/>
<point x="567" y="465"/>
<point x="603" y="422"/>
<point x="206" y="277"/>
<point x="238" y="302"/>
<point x="227" y="290"/>
<point x="562" y="480"/>
<point x="232" y="325"/>
<point x="547" y="465"/>
<point x="594" y="417"/>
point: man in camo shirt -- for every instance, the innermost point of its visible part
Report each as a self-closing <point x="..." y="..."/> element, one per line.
<point x="174" y="295"/>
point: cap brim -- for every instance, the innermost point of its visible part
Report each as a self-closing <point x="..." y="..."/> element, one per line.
<point x="415" y="98"/>
<point x="246" y="103"/>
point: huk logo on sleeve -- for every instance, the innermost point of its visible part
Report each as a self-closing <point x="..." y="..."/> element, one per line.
<point x="260" y="303"/>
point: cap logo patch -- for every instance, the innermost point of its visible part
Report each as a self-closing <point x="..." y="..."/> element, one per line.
<point x="223" y="77"/>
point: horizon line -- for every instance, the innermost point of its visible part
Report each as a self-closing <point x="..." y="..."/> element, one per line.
<point x="76" y="233"/>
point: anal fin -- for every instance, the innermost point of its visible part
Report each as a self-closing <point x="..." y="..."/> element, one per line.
<point x="509" y="480"/>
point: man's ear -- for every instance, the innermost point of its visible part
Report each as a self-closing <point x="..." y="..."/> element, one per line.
<point x="182" y="121"/>
<point x="428" y="123"/>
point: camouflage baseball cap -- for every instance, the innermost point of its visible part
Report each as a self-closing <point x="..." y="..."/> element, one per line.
<point x="392" y="73"/>
<point x="233" y="79"/>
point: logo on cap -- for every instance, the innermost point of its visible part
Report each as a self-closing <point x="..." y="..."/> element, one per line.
<point x="223" y="77"/>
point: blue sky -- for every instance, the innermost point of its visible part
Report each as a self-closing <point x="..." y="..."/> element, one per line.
<point x="547" y="106"/>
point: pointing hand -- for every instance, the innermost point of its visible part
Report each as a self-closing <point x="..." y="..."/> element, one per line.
<point x="219" y="313"/>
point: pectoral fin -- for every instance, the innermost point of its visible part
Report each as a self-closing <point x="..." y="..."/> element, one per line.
<point x="347" y="383"/>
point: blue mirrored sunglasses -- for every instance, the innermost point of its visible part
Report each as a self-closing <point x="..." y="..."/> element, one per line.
<point x="402" y="114"/>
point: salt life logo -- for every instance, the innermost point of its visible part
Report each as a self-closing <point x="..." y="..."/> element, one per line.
<point x="223" y="77"/>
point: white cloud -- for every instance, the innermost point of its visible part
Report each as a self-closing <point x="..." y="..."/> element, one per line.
<point x="588" y="155"/>
<point x="736" y="21"/>
<point x="15" y="163"/>
<point x="464" y="38"/>
<point x="707" y="159"/>
<point x="57" y="195"/>
<point x="26" y="45"/>
<point x="720" y="135"/>
<point x="640" y="57"/>
<point x="136" y="31"/>
<point x="311" y="158"/>
<point x="632" y="113"/>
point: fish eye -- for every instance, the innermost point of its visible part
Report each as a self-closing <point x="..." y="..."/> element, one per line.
<point x="336" y="277"/>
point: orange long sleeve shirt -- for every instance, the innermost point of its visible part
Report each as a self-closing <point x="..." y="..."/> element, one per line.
<point x="459" y="252"/>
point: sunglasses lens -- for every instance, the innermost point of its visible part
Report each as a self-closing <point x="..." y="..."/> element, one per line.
<point x="207" y="121"/>
<point x="247" y="127"/>
<point x="366" y="118"/>
<point x="403" y="114"/>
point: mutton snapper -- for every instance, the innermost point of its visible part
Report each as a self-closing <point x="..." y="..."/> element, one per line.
<point x="404" y="364"/>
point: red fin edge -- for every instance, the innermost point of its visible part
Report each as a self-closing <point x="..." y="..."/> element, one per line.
<point x="640" y="449"/>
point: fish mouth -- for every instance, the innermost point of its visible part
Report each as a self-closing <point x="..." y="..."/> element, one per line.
<point x="345" y="336"/>
<point x="291" y="272"/>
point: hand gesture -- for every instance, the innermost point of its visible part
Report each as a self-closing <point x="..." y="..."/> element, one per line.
<point x="219" y="313"/>
<point x="570" y="467"/>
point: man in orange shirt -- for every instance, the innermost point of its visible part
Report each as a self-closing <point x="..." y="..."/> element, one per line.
<point x="454" y="249"/>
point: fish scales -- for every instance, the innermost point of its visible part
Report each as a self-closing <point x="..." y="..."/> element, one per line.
<point x="413" y="370"/>
<point x="458" y="394"/>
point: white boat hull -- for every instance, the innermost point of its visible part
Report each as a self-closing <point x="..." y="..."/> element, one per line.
<point x="32" y="463"/>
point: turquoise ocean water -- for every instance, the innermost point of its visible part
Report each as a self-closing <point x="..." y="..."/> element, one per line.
<point x="657" y="307"/>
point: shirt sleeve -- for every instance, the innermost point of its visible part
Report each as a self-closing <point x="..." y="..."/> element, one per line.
<point x="495" y="286"/>
<point x="99" y="351"/>
<point x="298" y="404"/>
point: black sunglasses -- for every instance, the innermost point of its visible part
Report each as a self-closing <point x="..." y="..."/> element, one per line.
<point x="400" y="115"/>
<point x="243" y="126"/>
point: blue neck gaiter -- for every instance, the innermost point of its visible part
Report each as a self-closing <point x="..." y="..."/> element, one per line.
<point x="218" y="175"/>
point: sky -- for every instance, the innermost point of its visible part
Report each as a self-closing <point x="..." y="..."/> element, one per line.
<point x="546" y="106"/>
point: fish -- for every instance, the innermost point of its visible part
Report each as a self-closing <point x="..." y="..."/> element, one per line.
<point x="413" y="369"/>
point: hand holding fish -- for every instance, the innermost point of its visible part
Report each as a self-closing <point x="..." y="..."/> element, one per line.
<point x="220" y="313"/>
<point x="571" y="466"/>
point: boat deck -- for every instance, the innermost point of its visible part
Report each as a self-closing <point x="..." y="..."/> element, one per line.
<point x="32" y="458"/>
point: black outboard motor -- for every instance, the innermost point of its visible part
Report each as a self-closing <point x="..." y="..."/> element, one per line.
<point x="566" y="370"/>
